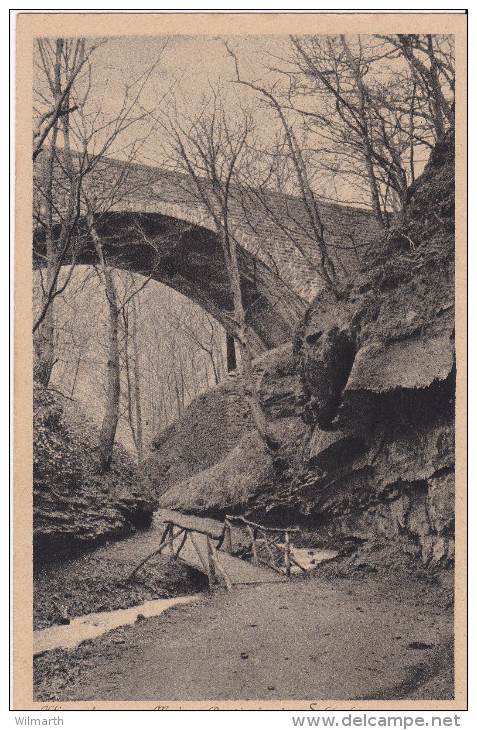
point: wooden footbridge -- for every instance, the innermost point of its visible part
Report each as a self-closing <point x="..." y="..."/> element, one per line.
<point x="213" y="547"/>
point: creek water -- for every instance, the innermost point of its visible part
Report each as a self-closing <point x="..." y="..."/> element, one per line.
<point x="95" y="624"/>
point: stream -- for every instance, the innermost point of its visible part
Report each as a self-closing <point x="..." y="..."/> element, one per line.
<point x="95" y="624"/>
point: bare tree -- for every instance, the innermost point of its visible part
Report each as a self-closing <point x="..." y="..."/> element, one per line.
<point x="375" y="105"/>
<point x="326" y="269"/>
<point x="209" y="149"/>
<point x="73" y="336"/>
<point x="359" y="110"/>
<point x="60" y="63"/>
<point x="431" y="59"/>
<point x="132" y="366"/>
<point x="77" y="188"/>
<point x="113" y="390"/>
<point x="204" y="334"/>
<point x="137" y="383"/>
<point x="352" y="112"/>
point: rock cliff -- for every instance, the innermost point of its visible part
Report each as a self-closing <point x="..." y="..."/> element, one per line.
<point x="363" y="403"/>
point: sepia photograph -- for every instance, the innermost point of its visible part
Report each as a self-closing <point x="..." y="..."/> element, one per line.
<point x="236" y="402"/>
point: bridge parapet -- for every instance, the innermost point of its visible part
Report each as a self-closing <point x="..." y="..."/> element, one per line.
<point x="272" y="226"/>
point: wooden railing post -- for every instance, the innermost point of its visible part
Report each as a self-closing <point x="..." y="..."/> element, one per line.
<point x="210" y="563"/>
<point x="227" y="543"/>
<point x="287" y="554"/>
<point x="181" y="544"/>
<point x="253" y="535"/>
<point x="220" y="568"/>
<point x="269" y="550"/>
<point x="199" y="554"/>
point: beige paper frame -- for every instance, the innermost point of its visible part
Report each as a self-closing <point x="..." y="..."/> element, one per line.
<point x="31" y="25"/>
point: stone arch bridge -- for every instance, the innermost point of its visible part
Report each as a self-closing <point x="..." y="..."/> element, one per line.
<point x="153" y="224"/>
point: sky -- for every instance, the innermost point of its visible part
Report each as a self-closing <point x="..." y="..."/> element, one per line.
<point x="192" y="66"/>
<point x="196" y="61"/>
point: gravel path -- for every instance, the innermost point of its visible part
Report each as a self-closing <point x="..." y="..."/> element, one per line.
<point x="315" y="638"/>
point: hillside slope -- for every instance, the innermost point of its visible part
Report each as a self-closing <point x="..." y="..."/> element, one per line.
<point x="74" y="506"/>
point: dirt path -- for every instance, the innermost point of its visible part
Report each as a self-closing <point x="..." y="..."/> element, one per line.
<point x="307" y="639"/>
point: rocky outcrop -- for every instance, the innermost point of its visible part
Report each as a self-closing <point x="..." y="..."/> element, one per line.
<point x="74" y="506"/>
<point x="378" y="371"/>
<point x="363" y="403"/>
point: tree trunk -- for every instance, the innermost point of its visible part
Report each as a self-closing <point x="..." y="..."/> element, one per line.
<point x="44" y="337"/>
<point x="111" y="412"/>
<point x="78" y="363"/>
<point x="137" y="385"/>
<point x="109" y="425"/>
<point x="231" y="355"/>
<point x="367" y="147"/>
<point x="44" y="347"/>
<point x="429" y="82"/>
<point x="249" y="384"/>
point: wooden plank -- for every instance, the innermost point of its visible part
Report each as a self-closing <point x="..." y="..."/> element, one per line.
<point x="295" y="562"/>
<point x="194" y="552"/>
<point x="239" y="572"/>
<point x="202" y="525"/>
<point x="272" y="567"/>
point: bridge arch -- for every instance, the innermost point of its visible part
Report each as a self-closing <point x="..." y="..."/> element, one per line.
<point x="188" y="257"/>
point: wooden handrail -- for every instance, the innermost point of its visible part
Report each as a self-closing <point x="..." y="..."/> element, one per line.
<point x="212" y="563"/>
<point x="239" y="518"/>
<point x="189" y="528"/>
